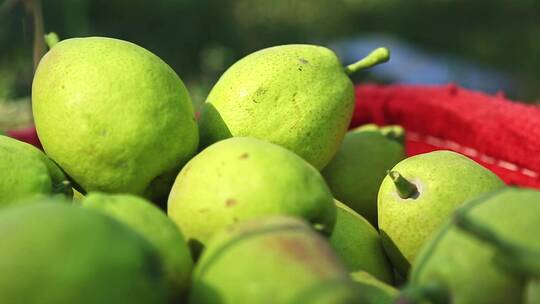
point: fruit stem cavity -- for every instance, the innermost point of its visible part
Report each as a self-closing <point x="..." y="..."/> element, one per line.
<point x="374" y="58"/>
<point x="405" y="188"/>
<point x="51" y="39"/>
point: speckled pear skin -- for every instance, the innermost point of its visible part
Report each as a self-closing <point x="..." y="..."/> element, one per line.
<point x="243" y="178"/>
<point x="373" y="290"/>
<point x="271" y="260"/>
<point x="445" y="180"/>
<point x="464" y="266"/>
<point x="296" y="96"/>
<point x="358" y="245"/>
<point x="153" y="224"/>
<point x="57" y="253"/>
<point x="355" y="173"/>
<point x="113" y="115"/>
<point x="27" y="173"/>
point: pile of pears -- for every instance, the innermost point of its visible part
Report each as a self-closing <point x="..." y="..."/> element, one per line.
<point x="267" y="197"/>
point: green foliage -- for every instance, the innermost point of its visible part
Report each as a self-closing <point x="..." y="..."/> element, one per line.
<point x="200" y="38"/>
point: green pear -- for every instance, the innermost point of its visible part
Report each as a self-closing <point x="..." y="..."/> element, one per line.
<point x="420" y="193"/>
<point x="242" y="178"/>
<point x="358" y="245"/>
<point x="27" y="173"/>
<point x="114" y="116"/>
<point x="373" y="290"/>
<point x="153" y="224"/>
<point x="54" y="253"/>
<point x="274" y="259"/>
<point x="455" y="265"/>
<point x="297" y="96"/>
<point x="519" y="260"/>
<point x="355" y="174"/>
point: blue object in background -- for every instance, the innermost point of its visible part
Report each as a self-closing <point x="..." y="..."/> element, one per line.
<point x="412" y="65"/>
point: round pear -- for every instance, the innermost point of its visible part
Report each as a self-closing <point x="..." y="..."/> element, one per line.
<point x="27" y="173"/>
<point x="420" y="193"/>
<point x="355" y="173"/>
<point x="298" y="96"/>
<point x="275" y="259"/>
<point x="113" y="115"/>
<point x="243" y="178"/>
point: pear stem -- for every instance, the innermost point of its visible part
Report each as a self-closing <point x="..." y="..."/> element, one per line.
<point x="433" y="292"/>
<point x="405" y="188"/>
<point x="51" y="39"/>
<point x="374" y="58"/>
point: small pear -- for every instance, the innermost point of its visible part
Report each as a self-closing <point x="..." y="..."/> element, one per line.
<point x="27" y="173"/>
<point x="355" y="173"/>
<point x="274" y="259"/>
<point x="57" y="253"/>
<point x="113" y="115"/>
<point x="459" y="266"/>
<point x="298" y="96"/>
<point x="373" y="290"/>
<point x="153" y="224"/>
<point x="420" y="193"/>
<point x="358" y="245"/>
<point x="243" y="178"/>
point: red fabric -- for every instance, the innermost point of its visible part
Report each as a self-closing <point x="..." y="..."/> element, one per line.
<point x="502" y="135"/>
<point x="28" y="135"/>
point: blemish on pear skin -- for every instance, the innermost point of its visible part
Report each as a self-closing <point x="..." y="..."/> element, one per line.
<point x="303" y="60"/>
<point x="244" y="156"/>
<point x="230" y="202"/>
<point x="302" y="252"/>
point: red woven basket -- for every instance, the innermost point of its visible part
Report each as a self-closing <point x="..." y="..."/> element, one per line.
<point x="500" y="134"/>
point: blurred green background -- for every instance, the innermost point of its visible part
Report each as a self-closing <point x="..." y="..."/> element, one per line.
<point x="201" y="38"/>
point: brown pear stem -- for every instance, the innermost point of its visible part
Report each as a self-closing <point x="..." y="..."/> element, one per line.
<point x="405" y="188"/>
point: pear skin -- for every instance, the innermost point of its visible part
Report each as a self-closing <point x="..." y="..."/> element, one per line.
<point x="54" y="252"/>
<point x="113" y="115"/>
<point x="27" y="173"/>
<point x="374" y="290"/>
<point x="277" y="259"/>
<point x="358" y="245"/>
<point x="297" y="96"/>
<point x="148" y="220"/>
<point x="420" y="193"/>
<point x="243" y="178"/>
<point x="355" y="173"/>
<point x="458" y="266"/>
